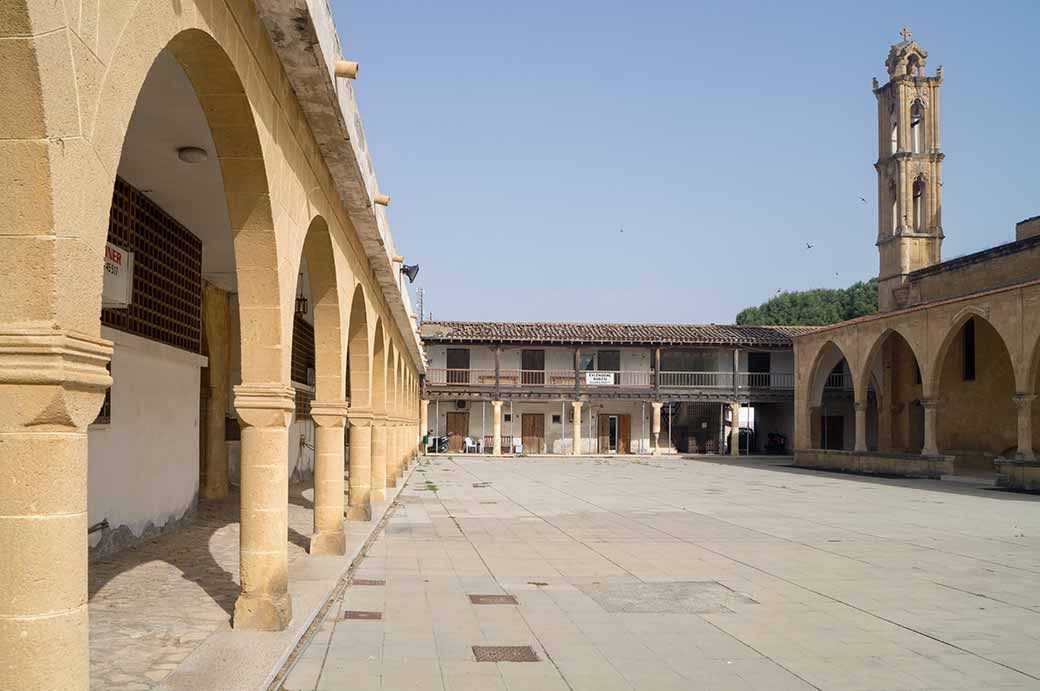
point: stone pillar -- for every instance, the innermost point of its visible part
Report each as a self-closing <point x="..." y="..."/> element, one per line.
<point x="359" y="489"/>
<point x="1024" y="402"/>
<point x="393" y="468"/>
<point x="861" y="426"/>
<point x="382" y="463"/>
<point x="52" y="383"/>
<point x="265" y="411"/>
<point x="734" y="429"/>
<point x="424" y="422"/>
<point x="655" y="426"/>
<point x="496" y="428"/>
<point x="216" y="317"/>
<point x="816" y="427"/>
<point x="329" y="419"/>
<point x="931" y="446"/>
<point x="576" y="409"/>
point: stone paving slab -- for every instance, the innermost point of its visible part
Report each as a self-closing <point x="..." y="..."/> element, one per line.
<point x="670" y="573"/>
<point x="160" y="612"/>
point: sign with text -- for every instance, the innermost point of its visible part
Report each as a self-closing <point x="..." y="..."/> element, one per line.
<point x="119" y="277"/>
<point x="599" y="378"/>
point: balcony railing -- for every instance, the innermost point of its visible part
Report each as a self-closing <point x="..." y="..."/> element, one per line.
<point x="839" y="380"/>
<point x="624" y="379"/>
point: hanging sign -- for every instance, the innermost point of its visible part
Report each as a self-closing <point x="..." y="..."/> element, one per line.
<point x="119" y="277"/>
<point x="599" y="378"/>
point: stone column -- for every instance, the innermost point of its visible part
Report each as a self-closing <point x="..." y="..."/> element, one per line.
<point x="393" y="467"/>
<point x="655" y="426"/>
<point x="1024" y="402"/>
<point x="216" y="318"/>
<point x="359" y="479"/>
<point x="329" y="419"/>
<point x="576" y="409"/>
<point x="496" y="428"/>
<point x="382" y="464"/>
<point x="52" y="383"/>
<point x="816" y="427"/>
<point x="734" y="429"/>
<point x="265" y="411"/>
<point x="861" y="426"/>
<point x="424" y="422"/>
<point x="931" y="446"/>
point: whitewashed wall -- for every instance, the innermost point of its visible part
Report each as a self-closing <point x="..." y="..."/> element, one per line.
<point x="144" y="466"/>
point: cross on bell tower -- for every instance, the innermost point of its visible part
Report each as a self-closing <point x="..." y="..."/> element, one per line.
<point x="909" y="168"/>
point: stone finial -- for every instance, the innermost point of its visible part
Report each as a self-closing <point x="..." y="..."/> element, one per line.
<point x="905" y="33"/>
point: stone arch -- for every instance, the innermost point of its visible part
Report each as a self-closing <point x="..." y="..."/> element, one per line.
<point x="329" y="361"/>
<point x="358" y="351"/>
<point x="895" y="417"/>
<point x="976" y="415"/>
<point x="823" y="413"/>
<point x="827" y="358"/>
<point x="866" y="368"/>
<point x="1030" y="385"/>
<point x="379" y="370"/>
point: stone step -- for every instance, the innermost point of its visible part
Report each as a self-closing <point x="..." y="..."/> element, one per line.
<point x="989" y="480"/>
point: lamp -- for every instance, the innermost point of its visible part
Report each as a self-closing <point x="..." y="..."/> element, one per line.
<point x="301" y="299"/>
<point x="411" y="271"/>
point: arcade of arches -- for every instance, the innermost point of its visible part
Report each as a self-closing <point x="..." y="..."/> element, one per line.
<point x="946" y="388"/>
<point x="247" y="175"/>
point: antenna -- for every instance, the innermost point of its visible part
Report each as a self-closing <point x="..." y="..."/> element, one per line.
<point x="419" y="295"/>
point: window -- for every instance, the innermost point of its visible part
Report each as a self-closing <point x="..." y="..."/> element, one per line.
<point x="556" y="419"/>
<point x="758" y="369"/>
<point x="917" y="127"/>
<point x="895" y="206"/>
<point x="532" y="366"/>
<point x="507" y="418"/>
<point x="588" y="362"/>
<point x="969" y="350"/>
<point x="609" y="360"/>
<point x="458" y="366"/>
<point x="104" y="416"/>
<point x="893" y="120"/>
<point x="919" y="204"/>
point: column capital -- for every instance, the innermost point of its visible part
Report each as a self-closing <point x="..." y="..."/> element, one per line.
<point x="861" y="406"/>
<point x="576" y="404"/>
<point x="656" y="404"/>
<point x="1024" y="400"/>
<point x="66" y="373"/>
<point x="329" y="413"/>
<point x="496" y="404"/>
<point x="265" y="405"/>
<point x="930" y="403"/>
<point x="360" y="417"/>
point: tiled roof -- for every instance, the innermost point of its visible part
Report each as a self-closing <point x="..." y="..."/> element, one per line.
<point x="614" y="334"/>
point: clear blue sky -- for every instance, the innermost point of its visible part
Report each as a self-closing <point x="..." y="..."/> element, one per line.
<point x="518" y="138"/>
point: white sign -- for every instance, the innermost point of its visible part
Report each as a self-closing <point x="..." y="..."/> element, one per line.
<point x="119" y="277"/>
<point x="599" y="378"/>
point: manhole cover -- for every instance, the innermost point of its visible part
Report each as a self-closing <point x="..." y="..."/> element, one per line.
<point x="493" y="599"/>
<point x="504" y="653"/>
<point x="481" y="484"/>
<point x="356" y="614"/>
<point x="367" y="581"/>
<point x="682" y="597"/>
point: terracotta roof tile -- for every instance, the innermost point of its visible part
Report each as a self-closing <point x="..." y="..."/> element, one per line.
<point x="614" y="334"/>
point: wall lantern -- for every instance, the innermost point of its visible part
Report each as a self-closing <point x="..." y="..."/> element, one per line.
<point x="301" y="299"/>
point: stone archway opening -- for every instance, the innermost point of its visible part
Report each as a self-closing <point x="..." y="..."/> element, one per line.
<point x="895" y="413"/>
<point x="831" y="401"/>
<point x="975" y="387"/>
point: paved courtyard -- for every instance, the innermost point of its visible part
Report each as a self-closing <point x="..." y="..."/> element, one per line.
<point x="683" y="574"/>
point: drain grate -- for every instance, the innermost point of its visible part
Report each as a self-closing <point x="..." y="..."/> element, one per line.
<point x="357" y="614"/>
<point x="481" y="485"/>
<point x="368" y="581"/>
<point x="493" y="600"/>
<point x="504" y="653"/>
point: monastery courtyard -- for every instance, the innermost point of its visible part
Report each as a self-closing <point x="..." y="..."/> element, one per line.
<point x="669" y="573"/>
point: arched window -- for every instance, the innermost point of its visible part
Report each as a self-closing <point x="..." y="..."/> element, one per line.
<point x="919" y="204"/>
<point x="917" y="127"/>
<point x="893" y="121"/>
<point x="894" y="198"/>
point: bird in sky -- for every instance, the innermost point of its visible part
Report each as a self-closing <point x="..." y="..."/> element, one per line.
<point x="863" y="200"/>
<point x="809" y="246"/>
<point x="622" y="230"/>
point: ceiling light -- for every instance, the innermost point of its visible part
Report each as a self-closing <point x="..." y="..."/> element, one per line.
<point x="192" y="154"/>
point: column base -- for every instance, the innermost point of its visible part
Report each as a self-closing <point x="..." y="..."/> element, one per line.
<point x="379" y="494"/>
<point x="327" y="542"/>
<point x="262" y="612"/>
<point x="359" y="513"/>
<point x="215" y="493"/>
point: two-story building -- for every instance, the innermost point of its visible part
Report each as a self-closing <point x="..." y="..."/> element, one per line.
<point x="567" y="388"/>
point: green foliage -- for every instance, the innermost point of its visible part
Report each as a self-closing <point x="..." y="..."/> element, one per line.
<point x="817" y="307"/>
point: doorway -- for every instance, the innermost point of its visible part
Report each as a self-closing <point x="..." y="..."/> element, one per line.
<point x="833" y="427"/>
<point x="532" y="430"/>
<point x="615" y="433"/>
<point x="458" y="428"/>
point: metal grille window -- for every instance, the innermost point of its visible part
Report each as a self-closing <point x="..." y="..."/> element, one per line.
<point x="302" y="350"/>
<point x="104" y="416"/>
<point x="166" y="304"/>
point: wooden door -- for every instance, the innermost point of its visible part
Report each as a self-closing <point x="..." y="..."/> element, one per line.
<point x="458" y="428"/>
<point x="603" y="432"/>
<point x="624" y="444"/>
<point x="532" y="430"/>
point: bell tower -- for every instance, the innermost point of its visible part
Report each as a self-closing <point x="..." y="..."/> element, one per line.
<point x="909" y="170"/>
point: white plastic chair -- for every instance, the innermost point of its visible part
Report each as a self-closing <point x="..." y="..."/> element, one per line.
<point x="471" y="446"/>
<point x="518" y="445"/>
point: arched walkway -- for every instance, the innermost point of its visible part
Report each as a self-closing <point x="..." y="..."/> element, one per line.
<point x="380" y="437"/>
<point x="831" y="395"/>
<point x="359" y="475"/>
<point x="974" y="383"/>
<point x="893" y="383"/>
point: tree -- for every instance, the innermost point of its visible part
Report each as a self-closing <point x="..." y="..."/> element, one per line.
<point x="817" y="307"/>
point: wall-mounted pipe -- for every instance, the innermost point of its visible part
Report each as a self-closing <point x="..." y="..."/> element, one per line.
<point x="382" y="199"/>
